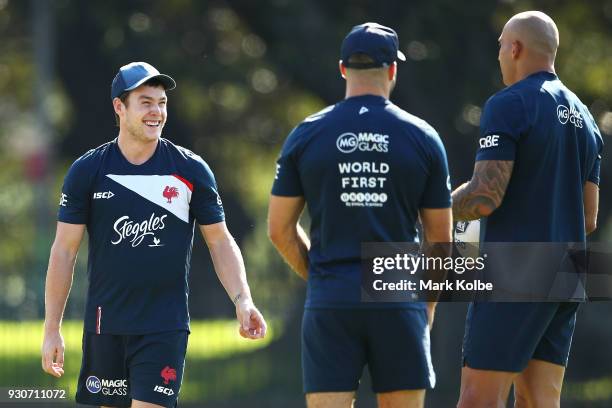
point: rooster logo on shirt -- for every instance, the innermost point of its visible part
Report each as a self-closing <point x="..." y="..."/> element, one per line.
<point x="170" y="193"/>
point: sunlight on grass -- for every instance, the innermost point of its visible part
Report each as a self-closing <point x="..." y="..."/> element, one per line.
<point x="210" y="341"/>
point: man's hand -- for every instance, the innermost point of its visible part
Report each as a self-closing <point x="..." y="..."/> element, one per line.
<point x="53" y="353"/>
<point x="252" y="323"/>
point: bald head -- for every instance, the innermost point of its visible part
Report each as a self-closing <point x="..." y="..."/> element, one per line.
<point x="536" y="31"/>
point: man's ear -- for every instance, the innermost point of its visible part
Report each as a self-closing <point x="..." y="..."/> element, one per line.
<point x="342" y="69"/>
<point x="392" y="71"/>
<point x="118" y="106"/>
<point x="517" y="49"/>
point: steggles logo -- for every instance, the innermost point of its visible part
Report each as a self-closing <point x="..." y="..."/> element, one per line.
<point x="135" y="232"/>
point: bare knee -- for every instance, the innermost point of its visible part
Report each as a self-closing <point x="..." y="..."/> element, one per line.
<point x="472" y="397"/>
<point x="521" y="400"/>
<point x="527" y="398"/>
<point x="401" y="399"/>
<point x="330" y="399"/>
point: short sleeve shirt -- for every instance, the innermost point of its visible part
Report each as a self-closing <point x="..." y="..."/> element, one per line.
<point x="140" y="220"/>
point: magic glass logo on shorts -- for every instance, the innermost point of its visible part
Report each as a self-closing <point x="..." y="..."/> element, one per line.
<point x="570" y="115"/>
<point x="363" y="141"/>
<point x="108" y="387"/>
<point x="93" y="384"/>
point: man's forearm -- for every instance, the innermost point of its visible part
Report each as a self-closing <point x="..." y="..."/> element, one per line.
<point x="469" y="205"/>
<point x="294" y="250"/>
<point x="57" y="287"/>
<point x="229" y="266"/>
<point x="484" y="192"/>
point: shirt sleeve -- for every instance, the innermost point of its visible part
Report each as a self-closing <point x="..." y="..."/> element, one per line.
<point x="75" y="198"/>
<point x="594" y="175"/>
<point x="437" y="192"/>
<point x="502" y="123"/>
<point x="205" y="205"/>
<point x="287" y="181"/>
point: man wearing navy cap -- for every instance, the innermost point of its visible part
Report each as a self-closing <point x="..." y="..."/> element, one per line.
<point x="139" y="197"/>
<point x="366" y="170"/>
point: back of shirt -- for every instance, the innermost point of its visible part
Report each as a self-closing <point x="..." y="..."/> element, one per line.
<point x="555" y="144"/>
<point x="365" y="168"/>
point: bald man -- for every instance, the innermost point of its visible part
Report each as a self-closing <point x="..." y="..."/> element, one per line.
<point x="535" y="180"/>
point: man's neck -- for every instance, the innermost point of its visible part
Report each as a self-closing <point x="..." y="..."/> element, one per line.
<point x="135" y="151"/>
<point x="360" y="90"/>
<point x="525" y="71"/>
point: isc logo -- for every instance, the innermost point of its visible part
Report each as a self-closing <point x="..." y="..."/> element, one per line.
<point x="105" y="194"/>
<point x="163" y="390"/>
<point x="489" y="141"/>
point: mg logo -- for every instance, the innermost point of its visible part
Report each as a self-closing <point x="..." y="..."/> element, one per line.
<point x="93" y="384"/>
<point x="570" y="114"/>
<point x="489" y="141"/>
<point x="347" y="142"/>
<point x="563" y="114"/>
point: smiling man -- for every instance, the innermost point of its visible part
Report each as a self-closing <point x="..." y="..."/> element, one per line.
<point x="139" y="197"/>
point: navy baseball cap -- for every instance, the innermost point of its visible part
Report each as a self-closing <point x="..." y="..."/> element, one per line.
<point x="132" y="75"/>
<point x="376" y="41"/>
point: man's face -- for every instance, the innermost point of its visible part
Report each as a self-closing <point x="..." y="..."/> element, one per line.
<point x="506" y="62"/>
<point x="145" y="113"/>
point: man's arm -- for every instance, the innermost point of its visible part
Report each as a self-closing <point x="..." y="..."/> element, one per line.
<point x="591" y="206"/>
<point x="59" y="280"/>
<point x="287" y="234"/>
<point x="437" y="229"/>
<point x="484" y="193"/>
<point x="229" y="267"/>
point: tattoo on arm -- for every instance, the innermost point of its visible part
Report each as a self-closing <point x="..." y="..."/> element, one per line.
<point x="484" y="192"/>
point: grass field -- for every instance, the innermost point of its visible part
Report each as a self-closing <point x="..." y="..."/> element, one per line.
<point x="220" y="366"/>
<point x="214" y="365"/>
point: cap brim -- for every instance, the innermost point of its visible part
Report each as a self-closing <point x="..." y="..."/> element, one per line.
<point x="401" y="56"/>
<point x="168" y="82"/>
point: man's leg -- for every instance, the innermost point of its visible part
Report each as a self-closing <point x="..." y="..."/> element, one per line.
<point x="140" y="404"/>
<point x="333" y="356"/>
<point x="399" y="356"/>
<point x="401" y="399"/>
<point x="484" y="388"/>
<point x="330" y="400"/>
<point x="103" y="360"/>
<point x="539" y="385"/>
<point x="156" y="368"/>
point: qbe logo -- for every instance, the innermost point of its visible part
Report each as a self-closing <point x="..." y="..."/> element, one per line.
<point x="93" y="384"/>
<point x="347" y="142"/>
<point x="489" y="141"/>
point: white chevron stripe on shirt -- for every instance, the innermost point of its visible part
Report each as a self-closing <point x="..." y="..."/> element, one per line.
<point x="168" y="192"/>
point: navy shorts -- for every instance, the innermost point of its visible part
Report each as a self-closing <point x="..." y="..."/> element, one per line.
<point x="505" y="336"/>
<point x="119" y="368"/>
<point x="338" y="343"/>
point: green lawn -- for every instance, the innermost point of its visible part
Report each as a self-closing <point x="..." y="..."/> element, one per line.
<point x="216" y="357"/>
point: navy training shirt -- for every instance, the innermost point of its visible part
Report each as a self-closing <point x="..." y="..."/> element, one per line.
<point x="556" y="147"/>
<point x="365" y="167"/>
<point x="140" y="221"/>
